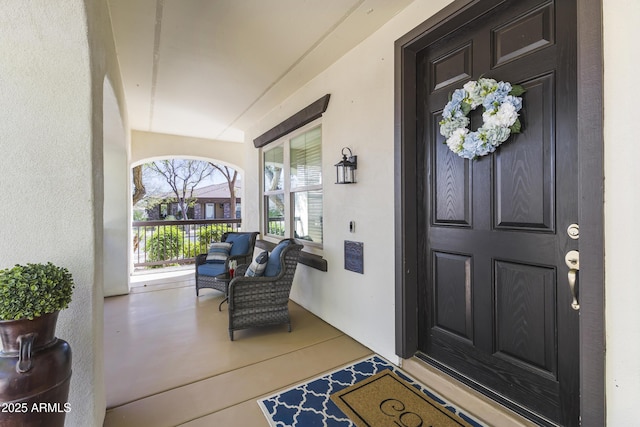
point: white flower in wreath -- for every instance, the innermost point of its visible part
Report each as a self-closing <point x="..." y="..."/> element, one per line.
<point x="501" y="104"/>
<point x="456" y="139"/>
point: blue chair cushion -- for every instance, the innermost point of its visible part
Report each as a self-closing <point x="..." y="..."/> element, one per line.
<point x="273" y="265"/>
<point x="219" y="252"/>
<point x="210" y="269"/>
<point x="258" y="265"/>
<point x="240" y="243"/>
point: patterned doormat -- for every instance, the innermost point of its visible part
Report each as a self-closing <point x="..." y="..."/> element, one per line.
<point x="309" y="404"/>
<point x="385" y="399"/>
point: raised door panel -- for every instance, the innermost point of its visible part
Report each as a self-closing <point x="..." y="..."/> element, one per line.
<point x="451" y="185"/>
<point x="453" y="299"/>
<point x="451" y="68"/>
<point x="525" y="321"/>
<point x="525" y="34"/>
<point x="524" y="178"/>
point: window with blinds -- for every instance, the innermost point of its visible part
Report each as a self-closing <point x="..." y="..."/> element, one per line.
<point x="293" y="186"/>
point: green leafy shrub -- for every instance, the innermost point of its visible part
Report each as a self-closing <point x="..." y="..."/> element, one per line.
<point x="206" y="235"/>
<point x="165" y="244"/>
<point x="29" y="291"/>
<point x="195" y="249"/>
<point x="211" y="233"/>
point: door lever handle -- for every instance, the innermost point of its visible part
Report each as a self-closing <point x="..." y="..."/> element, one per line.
<point x="572" y="259"/>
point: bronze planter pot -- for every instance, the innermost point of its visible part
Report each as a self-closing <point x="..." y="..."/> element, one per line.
<point x="35" y="371"/>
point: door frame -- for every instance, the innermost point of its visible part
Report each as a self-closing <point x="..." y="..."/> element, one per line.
<point x="590" y="190"/>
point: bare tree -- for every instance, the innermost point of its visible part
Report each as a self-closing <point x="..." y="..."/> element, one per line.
<point x="182" y="176"/>
<point x="273" y="174"/>
<point x="139" y="190"/>
<point x="231" y="176"/>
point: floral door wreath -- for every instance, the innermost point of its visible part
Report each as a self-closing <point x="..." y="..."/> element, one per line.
<point x="501" y="103"/>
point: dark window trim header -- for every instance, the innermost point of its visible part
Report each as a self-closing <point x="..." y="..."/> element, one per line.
<point x="299" y="119"/>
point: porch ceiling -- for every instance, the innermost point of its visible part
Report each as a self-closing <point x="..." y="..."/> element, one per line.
<point x="210" y="68"/>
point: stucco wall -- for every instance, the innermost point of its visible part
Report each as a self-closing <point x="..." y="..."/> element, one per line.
<point x="49" y="171"/>
<point x="146" y="146"/>
<point x="622" y="210"/>
<point x="117" y="197"/>
<point x="57" y="59"/>
<point x="360" y="115"/>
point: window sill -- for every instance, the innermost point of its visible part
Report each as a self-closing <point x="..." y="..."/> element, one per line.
<point x="306" y="258"/>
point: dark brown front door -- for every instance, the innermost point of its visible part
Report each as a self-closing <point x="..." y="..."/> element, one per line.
<point x="495" y="304"/>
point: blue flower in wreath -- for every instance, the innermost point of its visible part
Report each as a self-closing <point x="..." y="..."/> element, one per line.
<point x="493" y="101"/>
<point x="453" y="109"/>
<point x="516" y="101"/>
<point x="503" y="88"/>
<point x="497" y="135"/>
<point x="472" y="145"/>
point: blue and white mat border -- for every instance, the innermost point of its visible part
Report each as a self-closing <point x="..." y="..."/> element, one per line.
<point x="309" y="404"/>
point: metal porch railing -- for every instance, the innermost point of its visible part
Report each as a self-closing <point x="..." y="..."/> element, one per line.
<point x="165" y="243"/>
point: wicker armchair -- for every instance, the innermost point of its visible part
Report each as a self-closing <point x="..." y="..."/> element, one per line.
<point x="264" y="301"/>
<point x="206" y="272"/>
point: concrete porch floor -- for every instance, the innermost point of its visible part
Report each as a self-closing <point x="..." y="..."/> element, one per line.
<point x="169" y="360"/>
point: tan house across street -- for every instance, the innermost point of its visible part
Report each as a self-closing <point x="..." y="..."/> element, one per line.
<point x="210" y="202"/>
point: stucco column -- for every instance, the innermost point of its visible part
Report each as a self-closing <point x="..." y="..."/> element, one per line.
<point x="51" y="172"/>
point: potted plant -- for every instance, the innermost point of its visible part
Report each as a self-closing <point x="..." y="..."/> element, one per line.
<point x="35" y="366"/>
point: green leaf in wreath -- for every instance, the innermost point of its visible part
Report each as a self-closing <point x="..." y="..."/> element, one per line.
<point x="517" y="90"/>
<point x="465" y="108"/>
<point x="516" y="127"/>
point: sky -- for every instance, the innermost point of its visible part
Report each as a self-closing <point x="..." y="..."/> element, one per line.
<point x="158" y="184"/>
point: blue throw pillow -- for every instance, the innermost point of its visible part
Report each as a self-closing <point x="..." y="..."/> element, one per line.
<point x="240" y="243"/>
<point x="219" y="252"/>
<point x="273" y="265"/>
<point x="258" y="265"/>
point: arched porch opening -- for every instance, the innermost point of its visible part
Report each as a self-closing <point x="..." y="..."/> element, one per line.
<point x="172" y="224"/>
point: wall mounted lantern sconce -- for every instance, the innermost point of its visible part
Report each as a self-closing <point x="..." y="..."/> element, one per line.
<point x="346" y="168"/>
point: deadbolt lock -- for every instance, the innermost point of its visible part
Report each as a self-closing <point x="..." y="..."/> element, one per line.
<point x="573" y="231"/>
